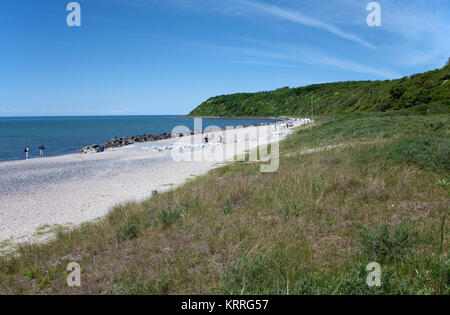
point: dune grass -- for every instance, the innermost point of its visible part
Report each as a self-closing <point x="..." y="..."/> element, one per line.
<point x="310" y="228"/>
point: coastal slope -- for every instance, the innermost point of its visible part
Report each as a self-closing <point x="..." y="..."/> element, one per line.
<point x="350" y="191"/>
<point x="424" y="92"/>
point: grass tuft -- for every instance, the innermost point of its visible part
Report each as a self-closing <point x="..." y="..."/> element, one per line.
<point x="168" y="216"/>
<point x="128" y="231"/>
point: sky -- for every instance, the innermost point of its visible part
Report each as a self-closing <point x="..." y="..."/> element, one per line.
<point x="156" y="57"/>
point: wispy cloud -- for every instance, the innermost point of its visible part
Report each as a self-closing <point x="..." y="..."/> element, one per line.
<point x="351" y="65"/>
<point x="411" y="35"/>
<point x="265" y="63"/>
<point x="288" y="55"/>
<point x="9" y="110"/>
<point x="299" y="18"/>
<point x="244" y="8"/>
<point x="424" y="31"/>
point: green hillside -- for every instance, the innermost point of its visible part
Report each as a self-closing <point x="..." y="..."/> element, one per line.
<point x="425" y="92"/>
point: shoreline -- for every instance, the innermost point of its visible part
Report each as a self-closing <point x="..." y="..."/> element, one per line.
<point x="119" y="142"/>
<point x="68" y="190"/>
<point x="139" y="138"/>
<point x="281" y="118"/>
<point x="80" y="150"/>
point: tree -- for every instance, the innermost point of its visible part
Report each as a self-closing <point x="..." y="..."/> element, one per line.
<point x="448" y="62"/>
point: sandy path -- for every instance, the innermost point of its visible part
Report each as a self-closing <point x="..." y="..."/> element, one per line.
<point x="71" y="189"/>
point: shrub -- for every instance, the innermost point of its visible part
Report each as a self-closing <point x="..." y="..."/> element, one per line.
<point x="291" y="208"/>
<point x="384" y="243"/>
<point x="32" y="273"/>
<point x="228" y="207"/>
<point x="127" y="231"/>
<point x="397" y="92"/>
<point x="168" y="216"/>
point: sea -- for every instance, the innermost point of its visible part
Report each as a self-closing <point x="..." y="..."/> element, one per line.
<point x="67" y="135"/>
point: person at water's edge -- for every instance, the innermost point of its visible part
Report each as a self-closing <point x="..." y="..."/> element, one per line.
<point x="27" y="150"/>
<point x="42" y="150"/>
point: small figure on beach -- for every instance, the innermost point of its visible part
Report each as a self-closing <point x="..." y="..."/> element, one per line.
<point x="206" y="139"/>
<point x="42" y="150"/>
<point x="27" y="151"/>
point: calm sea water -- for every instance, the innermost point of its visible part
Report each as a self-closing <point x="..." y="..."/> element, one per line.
<point x="65" y="135"/>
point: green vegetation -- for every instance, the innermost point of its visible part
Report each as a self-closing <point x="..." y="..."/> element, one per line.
<point x="425" y="92"/>
<point x="127" y="232"/>
<point x="168" y="216"/>
<point x="431" y="151"/>
<point x="384" y="244"/>
<point x="380" y="193"/>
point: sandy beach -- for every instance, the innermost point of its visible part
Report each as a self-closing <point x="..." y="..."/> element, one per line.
<point x="40" y="194"/>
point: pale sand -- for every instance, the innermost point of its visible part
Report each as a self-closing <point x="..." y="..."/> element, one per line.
<point x="71" y="189"/>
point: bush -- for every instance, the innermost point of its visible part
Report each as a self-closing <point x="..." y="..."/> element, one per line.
<point x="127" y="231"/>
<point x="385" y="243"/>
<point x="397" y="92"/>
<point x="168" y="216"/>
<point x="228" y="207"/>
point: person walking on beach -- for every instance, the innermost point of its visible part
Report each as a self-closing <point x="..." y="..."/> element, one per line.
<point x="206" y="139"/>
<point x="27" y="151"/>
<point x="41" y="150"/>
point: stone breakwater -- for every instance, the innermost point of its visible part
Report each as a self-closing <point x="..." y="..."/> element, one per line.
<point x="118" y="142"/>
<point x="125" y="141"/>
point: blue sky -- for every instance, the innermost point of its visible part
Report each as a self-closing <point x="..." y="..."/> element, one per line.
<point x="167" y="56"/>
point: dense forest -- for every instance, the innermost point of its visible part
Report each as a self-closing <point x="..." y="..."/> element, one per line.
<point x="425" y="92"/>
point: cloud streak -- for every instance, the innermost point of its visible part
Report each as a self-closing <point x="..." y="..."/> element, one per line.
<point x="299" y="18"/>
<point x="244" y="8"/>
<point x="297" y="56"/>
